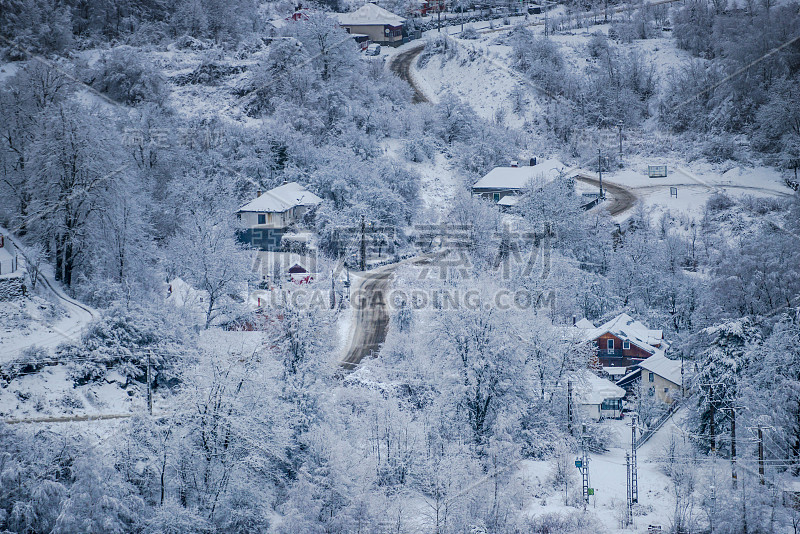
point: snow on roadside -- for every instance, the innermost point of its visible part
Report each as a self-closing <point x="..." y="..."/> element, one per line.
<point x="696" y="182"/>
<point x="478" y="77"/>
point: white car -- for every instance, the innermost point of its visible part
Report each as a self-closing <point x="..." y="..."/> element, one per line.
<point x="373" y="50"/>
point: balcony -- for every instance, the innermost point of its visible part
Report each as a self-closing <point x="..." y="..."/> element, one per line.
<point x="611" y="353"/>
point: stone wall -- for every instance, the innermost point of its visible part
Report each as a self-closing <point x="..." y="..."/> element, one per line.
<point x="12" y="286"/>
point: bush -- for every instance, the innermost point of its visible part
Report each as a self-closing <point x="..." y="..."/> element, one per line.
<point x="598" y="44"/>
<point x="127" y="77"/>
<point x="719" y="202"/>
<point x="418" y="150"/>
<point x="470" y="33"/>
<point x="720" y="149"/>
<point x="439" y="45"/>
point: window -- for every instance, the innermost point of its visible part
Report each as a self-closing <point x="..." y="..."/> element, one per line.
<point x="496" y="197"/>
<point x="262" y="218"/>
<point x="238" y="216"/>
<point x="610" y="344"/>
<point x="651" y="391"/>
<point x="651" y="378"/>
<point x="666" y="390"/>
<point x="611" y="404"/>
<point x="626" y="344"/>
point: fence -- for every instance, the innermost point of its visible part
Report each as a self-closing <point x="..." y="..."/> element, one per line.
<point x="658" y="424"/>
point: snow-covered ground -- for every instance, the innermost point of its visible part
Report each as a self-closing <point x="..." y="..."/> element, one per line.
<point x="607" y="475"/>
<point x="45" y="320"/>
<point x="51" y="392"/>
<point x="477" y="76"/>
<point x="696" y="182"/>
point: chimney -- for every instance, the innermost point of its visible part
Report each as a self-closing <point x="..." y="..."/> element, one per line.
<point x="533" y="162"/>
<point x="258" y="193"/>
<point x="514" y="163"/>
<point x="573" y="320"/>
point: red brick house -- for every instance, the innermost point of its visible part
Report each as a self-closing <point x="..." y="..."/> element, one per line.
<point x="623" y="341"/>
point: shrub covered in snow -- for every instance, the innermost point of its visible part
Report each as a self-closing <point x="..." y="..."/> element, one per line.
<point x="126" y="76"/>
<point x="440" y="45"/>
<point x="470" y="33"/>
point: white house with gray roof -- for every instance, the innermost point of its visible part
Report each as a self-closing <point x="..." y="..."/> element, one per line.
<point x="382" y="26"/>
<point x="503" y="184"/>
<point x="265" y="219"/>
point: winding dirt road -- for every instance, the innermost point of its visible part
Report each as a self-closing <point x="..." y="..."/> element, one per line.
<point x="621" y="198"/>
<point x="401" y="65"/>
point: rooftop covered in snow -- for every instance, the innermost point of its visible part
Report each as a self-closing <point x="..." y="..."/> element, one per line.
<point x="370" y="15"/>
<point x="625" y="327"/>
<point x="659" y="364"/>
<point x="282" y="198"/>
<point x="591" y="389"/>
<point x="518" y="178"/>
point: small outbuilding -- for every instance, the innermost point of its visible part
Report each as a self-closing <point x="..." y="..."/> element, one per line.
<point x="8" y="256"/>
<point x="598" y="397"/>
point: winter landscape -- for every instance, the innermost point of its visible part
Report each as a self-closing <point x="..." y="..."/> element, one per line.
<point x="407" y="266"/>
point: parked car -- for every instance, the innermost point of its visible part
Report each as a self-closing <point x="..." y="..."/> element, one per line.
<point x="374" y="49"/>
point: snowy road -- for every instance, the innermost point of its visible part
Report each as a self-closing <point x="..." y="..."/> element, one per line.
<point x="400" y="64"/>
<point x="372" y="316"/>
<point x="68" y="328"/>
<point x="621" y="198"/>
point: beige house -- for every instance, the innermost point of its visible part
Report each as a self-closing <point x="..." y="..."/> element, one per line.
<point x="380" y="25"/>
<point x="662" y="377"/>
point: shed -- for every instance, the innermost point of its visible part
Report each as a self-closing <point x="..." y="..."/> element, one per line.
<point x="599" y="398"/>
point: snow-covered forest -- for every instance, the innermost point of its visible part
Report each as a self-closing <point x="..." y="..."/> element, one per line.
<point x="257" y="276"/>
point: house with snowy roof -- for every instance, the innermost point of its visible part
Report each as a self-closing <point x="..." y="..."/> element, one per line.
<point x="624" y="342"/>
<point x="659" y="376"/>
<point x="597" y="397"/>
<point x="381" y="25"/>
<point x="502" y="185"/>
<point x="265" y="219"/>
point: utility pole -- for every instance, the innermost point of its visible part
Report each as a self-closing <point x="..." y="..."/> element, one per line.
<point x="733" y="447"/>
<point x="629" y="506"/>
<point x="600" y="171"/>
<point x="619" y="124"/>
<point x="760" y="455"/>
<point x="713" y="508"/>
<point x="711" y="422"/>
<point x="634" y="468"/>
<point x="439" y="15"/>
<point x="363" y="244"/>
<point x="683" y="388"/>
<point x="149" y="386"/>
<point x="569" y="407"/>
<point x="584" y="467"/>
